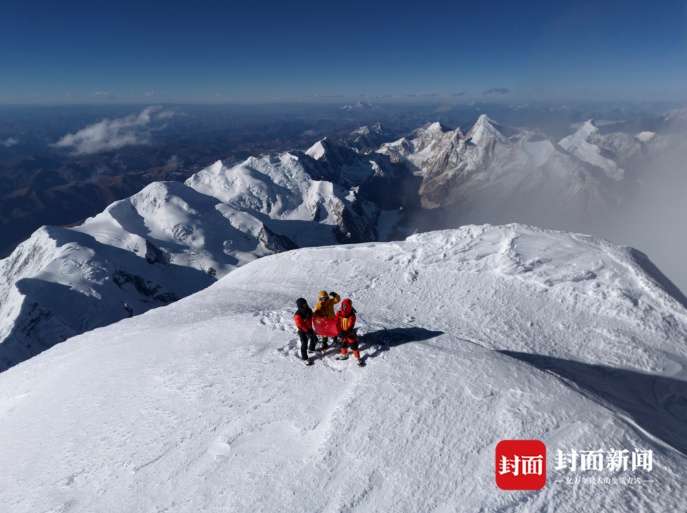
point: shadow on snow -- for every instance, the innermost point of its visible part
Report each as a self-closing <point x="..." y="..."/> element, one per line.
<point x="657" y="404"/>
<point x="393" y="337"/>
<point x="382" y="340"/>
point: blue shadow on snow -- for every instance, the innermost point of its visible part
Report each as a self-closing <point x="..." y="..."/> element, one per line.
<point x="657" y="404"/>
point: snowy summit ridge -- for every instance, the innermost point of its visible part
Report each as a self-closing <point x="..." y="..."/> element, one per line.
<point x="470" y="336"/>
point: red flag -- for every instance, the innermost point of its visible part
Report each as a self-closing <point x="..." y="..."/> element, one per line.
<point x="325" y="327"/>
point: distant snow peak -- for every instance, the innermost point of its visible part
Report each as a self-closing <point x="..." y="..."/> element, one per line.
<point x="375" y="129"/>
<point x="484" y="131"/>
<point x="586" y="144"/>
<point x="378" y="128"/>
<point x="514" y="170"/>
<point x="367" y="139"/>
<point x="436" y="127"/>
<point x="358" y="106"/>
<point x="588" y="129"/>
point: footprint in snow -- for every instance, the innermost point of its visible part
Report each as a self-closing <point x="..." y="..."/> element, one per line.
<point x="220" y="448"/>
<point x="275" y="320"/>
<point x="289" y="349"/>
<point x="411" y="276"/>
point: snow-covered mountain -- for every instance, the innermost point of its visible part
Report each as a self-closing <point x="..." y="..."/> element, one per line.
<point x="173" y="239"/>
<point x="494" y="172"/>
<point x="470" y="336"/>
<point x="358" y="106"/>
<point x="676" y="117"/>
<point x="370" y="138"/>
<point x="586" y="144"/>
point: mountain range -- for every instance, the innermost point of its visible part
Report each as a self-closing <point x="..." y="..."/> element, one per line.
<point x="172" y="239"/>
<point x="495" y="174"/>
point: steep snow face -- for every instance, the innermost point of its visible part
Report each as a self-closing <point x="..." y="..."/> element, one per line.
<point x="484" y="132"/>
<point x="470" y="337"/>
<point x="173" y="239"/>
<point x="318" y="150"/>
<point x="345" y="165"/>
<point x="62" y="282"/>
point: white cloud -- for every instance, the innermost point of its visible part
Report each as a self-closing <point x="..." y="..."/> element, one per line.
<point x="167" y="114"/>
<point x="174" y="162"/>
<point x="8" y="143"/>
<point x="112" y="134"/>
<point x="497" y="90"/>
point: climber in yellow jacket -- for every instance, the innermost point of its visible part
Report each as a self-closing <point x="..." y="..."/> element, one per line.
<point x="325" y="308"/>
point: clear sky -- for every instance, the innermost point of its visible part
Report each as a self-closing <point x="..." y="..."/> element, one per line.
<point x="258" y="50"/>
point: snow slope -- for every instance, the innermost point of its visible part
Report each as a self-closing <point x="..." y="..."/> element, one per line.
<point x="470" y="337"/>
<point x="63" y="282"/>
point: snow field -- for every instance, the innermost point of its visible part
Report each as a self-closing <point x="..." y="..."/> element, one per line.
<point x="470" y="337"/>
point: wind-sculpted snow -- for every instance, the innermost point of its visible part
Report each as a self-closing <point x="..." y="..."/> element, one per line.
<point x="470" y="337"/>
<point x="172" y="239"/>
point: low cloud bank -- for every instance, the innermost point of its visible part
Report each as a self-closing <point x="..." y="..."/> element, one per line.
<point x="653" y="220"/>
<point x="112" y="134"/>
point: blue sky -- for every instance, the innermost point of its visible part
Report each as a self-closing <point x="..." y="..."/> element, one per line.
<point x="225" y="51"/>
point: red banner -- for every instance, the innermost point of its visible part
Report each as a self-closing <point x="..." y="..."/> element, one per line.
<point x="324" y="327"/>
